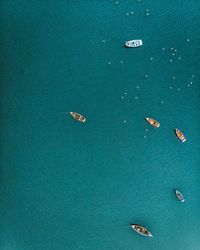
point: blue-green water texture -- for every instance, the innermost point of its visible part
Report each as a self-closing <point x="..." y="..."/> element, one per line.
<point x="67" y="185"/>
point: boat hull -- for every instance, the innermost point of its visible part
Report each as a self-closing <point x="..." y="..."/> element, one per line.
<point x="78" y="117"/>
<point x="179" y="196"/>
<point x="180" y="135"/>
<point x="141" y="230"/>
<point x="153" y="122"/>
<point x="133" y="43"/>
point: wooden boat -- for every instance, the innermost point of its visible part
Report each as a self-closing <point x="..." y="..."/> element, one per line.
<point x="153" y="122"/>
<point x="133" y="43"/>
<point x="179" y="196"/>
<point x="180" y="135"/>
<point x="78" y="117"/>
<point x="141" y="230"/>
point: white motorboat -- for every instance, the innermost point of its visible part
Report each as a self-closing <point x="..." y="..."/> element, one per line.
<point x="179" y="196"/>
<point x="141" y="230"/>
<point x="134" y="43"/>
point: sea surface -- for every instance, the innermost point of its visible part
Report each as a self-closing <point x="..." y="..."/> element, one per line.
<point x="67" y="185"/>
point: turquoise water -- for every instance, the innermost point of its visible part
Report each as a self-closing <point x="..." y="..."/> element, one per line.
<point x="67" y="185"/>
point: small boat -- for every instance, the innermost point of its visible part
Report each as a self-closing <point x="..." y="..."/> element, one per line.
<point x="180" y="135"/>
<point x="78" y="117"/>
<point x="141" y="230"/>
<point x="179" y="196"/>
<point x="134" y="43"/>
<point x="153" y="122"/>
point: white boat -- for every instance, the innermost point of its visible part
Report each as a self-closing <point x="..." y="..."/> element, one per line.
<point x="180" y="135"/>
<point x="179" y="196"/>
<point x="78" y="117"/>
<point x="134" y="43"/>
<point x="141" y="230"/>
<point x="153" y="122"/>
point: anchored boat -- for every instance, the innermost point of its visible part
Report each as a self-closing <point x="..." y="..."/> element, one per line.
<point x="78" y="117"/>
<point x="134" y="43"/>
<point x="153" y="122"/>
<point x="141" y="230"/>
<point x="179" y="196"/>
<point x="180" y="135"/>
